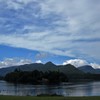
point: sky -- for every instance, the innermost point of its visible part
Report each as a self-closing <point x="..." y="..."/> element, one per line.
<point x="61" y="31"/>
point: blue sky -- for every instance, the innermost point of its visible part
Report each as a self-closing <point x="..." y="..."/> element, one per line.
<point x="50" y="30"/>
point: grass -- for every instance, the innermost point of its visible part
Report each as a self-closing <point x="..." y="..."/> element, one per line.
<point x="47" y="98"/>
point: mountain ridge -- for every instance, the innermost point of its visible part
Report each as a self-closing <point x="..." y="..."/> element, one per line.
<point x="49" y="66"/>
<point x="89" y="69"/>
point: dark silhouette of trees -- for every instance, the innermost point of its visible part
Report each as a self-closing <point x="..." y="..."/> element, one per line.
<point x="36" y="77"/>
<point x="90" y="76"/>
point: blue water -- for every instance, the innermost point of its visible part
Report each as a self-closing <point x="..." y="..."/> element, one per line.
<point x="67" y="89"/>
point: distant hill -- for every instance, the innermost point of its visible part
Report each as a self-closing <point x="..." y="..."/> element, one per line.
<point x="68" y="69"/>
<point x="97" y="71"/>
<point x="71" y="71"/>
<point x="26" y="67"/>
<point x="89" y="69"/>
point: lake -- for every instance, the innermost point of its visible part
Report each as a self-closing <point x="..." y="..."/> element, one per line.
<point x="67" y="89"/>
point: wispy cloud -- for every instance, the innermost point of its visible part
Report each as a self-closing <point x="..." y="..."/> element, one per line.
<point x="62" y="27"/>
<point x="8" y="62"/>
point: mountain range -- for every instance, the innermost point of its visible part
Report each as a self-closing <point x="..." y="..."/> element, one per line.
<point x="89" y="69"/>
<point x="69" y="70"/>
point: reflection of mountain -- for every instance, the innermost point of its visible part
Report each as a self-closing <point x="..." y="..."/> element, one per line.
<point x="89" y="69"/>
<point x="69" y="70"/>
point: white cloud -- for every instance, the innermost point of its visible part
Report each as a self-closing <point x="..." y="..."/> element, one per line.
<point x="80" y="62"/>
<point x="38" y="61"/>
<point x="41" y="55"/>
<point x="14" y="5"/>
<point x="8" y="62"/>
<point x="24" y="61"/>
<point x="78" y="22"/>
<point x="94" y="65"/>
<point x="76" y="62"/>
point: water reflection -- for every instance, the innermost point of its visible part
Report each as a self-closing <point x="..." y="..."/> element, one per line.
<point x="70" y="89"/>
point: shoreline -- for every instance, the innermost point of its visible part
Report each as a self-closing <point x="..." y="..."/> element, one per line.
<point x="48" y="98"/>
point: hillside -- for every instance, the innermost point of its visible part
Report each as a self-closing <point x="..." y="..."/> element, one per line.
<point x="69" y="70"/>
<point x="89" y="69"/>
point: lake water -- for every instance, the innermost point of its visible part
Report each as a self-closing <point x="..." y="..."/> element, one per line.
<point x="69" y="89"/>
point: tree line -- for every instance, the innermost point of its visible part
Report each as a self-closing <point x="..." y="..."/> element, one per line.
<point x="36" y="77"/>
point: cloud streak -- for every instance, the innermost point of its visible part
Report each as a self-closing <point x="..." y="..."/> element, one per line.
<point x="71" y="28"/>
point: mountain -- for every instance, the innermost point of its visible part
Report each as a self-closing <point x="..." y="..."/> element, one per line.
<point x="49" y="64"/>
<point x="71" y="71"/>
<point x="89" y="69"/>
<point x="26" y="67"/>
<point x="97" y="71"/>
<point x="68" y="69"/>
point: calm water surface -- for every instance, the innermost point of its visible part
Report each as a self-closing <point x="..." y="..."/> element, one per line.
<point x="69" y="89"/>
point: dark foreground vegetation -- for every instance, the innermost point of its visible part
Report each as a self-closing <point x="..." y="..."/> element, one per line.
<point x="47" y="98"/>
<point x="36" y="77"/>
<point x="49" y="77"/>
<point x="95" y="77"/>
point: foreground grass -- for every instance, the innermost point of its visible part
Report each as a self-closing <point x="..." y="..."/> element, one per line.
<point x="47" y="98"/>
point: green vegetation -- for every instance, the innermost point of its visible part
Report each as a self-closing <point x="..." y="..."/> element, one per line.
<point x="49" y="77"/>
<point x="47" y="98"/>
<point x="90" y="76"/>
<point x="36" y="77"/>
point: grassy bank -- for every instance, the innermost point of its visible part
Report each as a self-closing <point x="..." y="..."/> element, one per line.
<point x="47" y="98"/>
